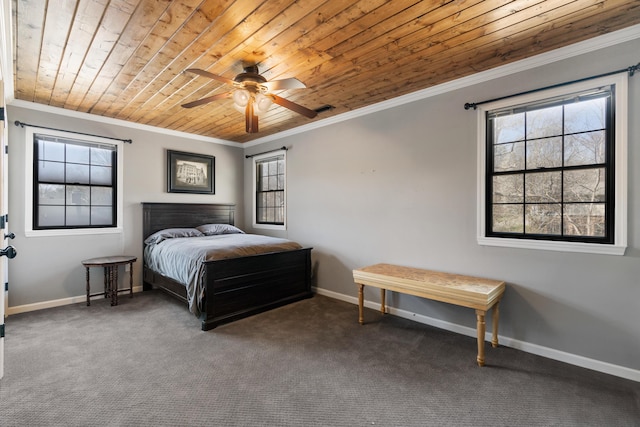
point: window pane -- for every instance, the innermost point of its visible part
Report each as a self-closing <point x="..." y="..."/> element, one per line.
<point x="507" y="219"/>
<point x="584" y="148"/>
<point x="261" y="215"/>
<point x="544" y="153"/>
<point x="101" y="215"/>
<point x="101" y="196"/>
<point x="101" y="175"/>
<point x="508" y="128"/>
<point x="78" y="195"/>
<point x="508" y="188"/>
<point x="543" y="187"/>
<point x="273" y="168"/>
<point x="584" y="185"/>
<point x="77" y="154"/>
<point x="48" y="150"/>
<point x="50" y="216"/>
<point x="51" y="194"/>
<point x="77" y="174"/>
<point x="273" y="182"/>
<point x="508" y="157"/>
<point x="544" y="122"/>
<point x="543" y="219"/>
<point x="271" y="200"/>
<point x="279" y="215"/>
<point x="50" y="171"/>
<point x="78" y="215"/>
<point x="585" y="115"/>
<point x="584" y="219"/>
<point x="100" y="156"/>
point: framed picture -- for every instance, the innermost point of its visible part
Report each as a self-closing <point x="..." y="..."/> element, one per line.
<point x="190" y="173"/>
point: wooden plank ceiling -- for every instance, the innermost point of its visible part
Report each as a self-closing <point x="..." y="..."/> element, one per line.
<point x="126" y="58"/>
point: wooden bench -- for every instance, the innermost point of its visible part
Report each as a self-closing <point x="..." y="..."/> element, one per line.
<point x="473" y="292"/>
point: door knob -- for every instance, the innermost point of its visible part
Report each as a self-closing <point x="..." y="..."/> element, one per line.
<point x="9" y="252"/>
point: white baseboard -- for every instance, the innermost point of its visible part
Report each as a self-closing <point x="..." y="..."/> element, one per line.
<point x="54" y="303"/>
<point x="550" y="353"/>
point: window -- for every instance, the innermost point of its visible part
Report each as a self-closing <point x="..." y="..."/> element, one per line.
<point x="75" y="184"/>
<point x="270" y="188"/>
<point x="554" y="169"/>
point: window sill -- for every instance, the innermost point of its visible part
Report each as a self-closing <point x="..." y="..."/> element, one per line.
<point x="270" y="226"/>
<point x="72" y="232"/>
<point x="554" y="246"/>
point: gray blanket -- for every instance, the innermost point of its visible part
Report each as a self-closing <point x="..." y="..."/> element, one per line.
<point x="181" y="259"/>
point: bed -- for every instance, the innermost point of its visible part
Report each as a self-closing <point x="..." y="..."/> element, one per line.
<point x="233" y="288"/>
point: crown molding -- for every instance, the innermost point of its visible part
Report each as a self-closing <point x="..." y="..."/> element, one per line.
<point x="590" y="45"/>
<point x="119" y="122"/>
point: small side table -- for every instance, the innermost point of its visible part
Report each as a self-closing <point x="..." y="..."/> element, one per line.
<point x="110" y="265"/>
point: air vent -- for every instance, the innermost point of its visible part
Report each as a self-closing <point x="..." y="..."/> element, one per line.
<point x="324" y="108"/>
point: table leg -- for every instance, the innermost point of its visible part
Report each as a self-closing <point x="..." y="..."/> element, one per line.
<point x="361" y="304"/>
<point x="481" y="331"/>
<point x="114" y="286"/>
<point x="88" y="288"/>
<point x="383" y="303"/>
<point x="106" y="282"/>
<point x="131" y="280"/>
<point x="495" y="318"/>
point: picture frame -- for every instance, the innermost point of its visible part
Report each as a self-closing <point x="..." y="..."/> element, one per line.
<point x="190" y="173"/>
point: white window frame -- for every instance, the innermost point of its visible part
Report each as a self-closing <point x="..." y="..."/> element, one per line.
<point x="28" y="194"/>
<point x="254" y="162"/>
<point x="620" y="127"/>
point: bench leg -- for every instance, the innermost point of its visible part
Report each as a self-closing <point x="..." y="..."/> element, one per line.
<point x="495" y="318"/>
<point x="383" y="303"/>
<point x="361" y="303"/>
<point x="481" y="331"/>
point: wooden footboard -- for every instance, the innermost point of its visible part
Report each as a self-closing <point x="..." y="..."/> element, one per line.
<point x="240" y="287"/>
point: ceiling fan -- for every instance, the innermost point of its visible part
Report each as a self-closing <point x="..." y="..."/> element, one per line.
<point x="253" y="95"/>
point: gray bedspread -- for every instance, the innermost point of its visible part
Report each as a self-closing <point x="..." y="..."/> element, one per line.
<point x="181" y="259"/>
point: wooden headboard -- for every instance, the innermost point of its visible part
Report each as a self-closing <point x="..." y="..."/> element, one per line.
<point x="158" y="216"/>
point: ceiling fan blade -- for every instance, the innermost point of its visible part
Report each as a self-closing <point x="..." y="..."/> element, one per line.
<point x="210" y="75"/>
<point x="293" y="106"/>
<point x="207" y="100"/>
<point x="284" y="84"/>
<point x="251" y="120"/>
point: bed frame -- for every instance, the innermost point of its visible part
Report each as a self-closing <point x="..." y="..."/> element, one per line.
<point x="237" y="287"/>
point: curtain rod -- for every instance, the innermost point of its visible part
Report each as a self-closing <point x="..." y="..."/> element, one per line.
<point x="283" y="148"/>
<point x="22" y="124"/>
<point x="631" y="70"/>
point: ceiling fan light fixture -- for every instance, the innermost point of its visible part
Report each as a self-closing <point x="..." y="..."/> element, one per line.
<point x="241" y="98"/>
<point x="262" y="103"/>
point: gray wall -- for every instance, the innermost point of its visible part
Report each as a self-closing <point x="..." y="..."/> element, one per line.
<point x="399" y="186"/>
<point x="49" y="268"/>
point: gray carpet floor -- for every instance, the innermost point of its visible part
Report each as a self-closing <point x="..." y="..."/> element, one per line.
<point x="146" y="362"/>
